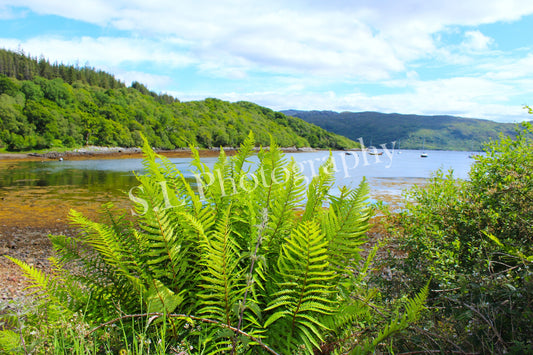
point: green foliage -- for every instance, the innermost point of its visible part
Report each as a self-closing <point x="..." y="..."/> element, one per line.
<point x="237" y="262"/>
<point x="408" y="131"/>
<point x="7" y="86"/>
<point x="51" y="105"/>
<point x="482" y="294"/>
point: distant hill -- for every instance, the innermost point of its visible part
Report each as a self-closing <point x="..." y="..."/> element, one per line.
<point x="410" y="131"/>
<point x="45" y="105"/>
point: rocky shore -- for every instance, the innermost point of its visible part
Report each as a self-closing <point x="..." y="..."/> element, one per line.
<point x="94" y="152"/>
<point x="30" y="244"/>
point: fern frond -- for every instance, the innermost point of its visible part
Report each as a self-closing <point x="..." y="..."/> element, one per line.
<point x="412" y="312"/>
<point x="159" y="299"/>
<point x="319" y="188"/>
<point x="245" y="150"/>
<point x="269" y="174"/>
<point x="348" y="314"/>
<point x="41" y="284"/>
<point x="282" y="208"/>
<point x="9" y="342"/>
<point x="221" y="281"/>
<point x="304" y="290"/>
<point x="106" y="243"/>
<point x="345" y="225"/>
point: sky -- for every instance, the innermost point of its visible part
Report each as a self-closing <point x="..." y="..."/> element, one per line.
<point x="469" y="58"/>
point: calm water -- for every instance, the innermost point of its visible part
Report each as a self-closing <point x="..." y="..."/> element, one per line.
<point x="41" y="193"/>
<point x="405" y="168"/>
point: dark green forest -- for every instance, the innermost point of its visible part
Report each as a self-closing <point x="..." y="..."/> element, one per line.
<point x="48" y="105"/>
<point x="409" y="131"/>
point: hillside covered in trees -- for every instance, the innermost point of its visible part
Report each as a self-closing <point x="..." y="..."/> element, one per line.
<point x="410" y="131"/>
<point x="45" y="105"/>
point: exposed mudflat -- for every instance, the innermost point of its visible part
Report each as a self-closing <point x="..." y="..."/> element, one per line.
<point x="28" y="216"/>
<point x="26" y="221"/>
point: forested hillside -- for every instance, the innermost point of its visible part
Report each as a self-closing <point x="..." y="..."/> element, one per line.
<point x="410" y="131"/>
<point x="44" y="105"/>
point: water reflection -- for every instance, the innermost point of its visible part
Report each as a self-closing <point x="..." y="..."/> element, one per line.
<point x="31" y="191"/>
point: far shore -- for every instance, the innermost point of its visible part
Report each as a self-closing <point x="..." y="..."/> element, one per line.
<point x="93" y="152"/>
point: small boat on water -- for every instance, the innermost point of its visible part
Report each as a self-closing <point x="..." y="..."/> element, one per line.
<point x="375" y="153"/>
<point x="424" y="154"/>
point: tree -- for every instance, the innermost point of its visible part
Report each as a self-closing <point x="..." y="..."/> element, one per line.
<point x="32" y="91"/>
<point x="7" y="86"/>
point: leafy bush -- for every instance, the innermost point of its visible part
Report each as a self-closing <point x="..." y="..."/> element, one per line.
<point x="245" y="259"/>
<point x="481" y="295"/>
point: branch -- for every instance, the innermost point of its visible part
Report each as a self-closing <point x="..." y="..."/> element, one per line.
<point x="185" y="316"/>
<point x="475" y="310"/>
<point x="431" y="335"/>
<point x="254" y="257"/>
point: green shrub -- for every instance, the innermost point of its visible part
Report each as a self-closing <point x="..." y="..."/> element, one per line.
<point x="481" y="296"/>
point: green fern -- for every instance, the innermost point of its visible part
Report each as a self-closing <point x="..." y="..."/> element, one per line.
<point x="319" y="188"/>
<point x="412" y="312"/>
<point x="283" y="208"/>
<point x="304" y="290"/>
<point x="222" y="275"/>
<point x="345" y="224"/>
<point x="248" y="250"/>
<point x="9" y="342"/>
<point x="42" y="285"/>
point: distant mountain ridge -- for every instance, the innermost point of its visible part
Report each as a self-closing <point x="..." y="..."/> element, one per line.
<point x="409" y="131"/>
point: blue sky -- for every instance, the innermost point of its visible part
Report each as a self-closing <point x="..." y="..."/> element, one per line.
<point x="471" y="58"/>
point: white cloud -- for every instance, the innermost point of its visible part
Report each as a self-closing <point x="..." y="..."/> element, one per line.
<point x="463" y="96"/>
<point x="149" y="80"/>
<point x="102" y="51"/>
<point x="92" y="11"/>
<point x="301" y="44"/>
<point x="476" y="41"/>
<point x="7" y="13"/>
<point x="509" y="68"/>
<point x="367" y="39"/>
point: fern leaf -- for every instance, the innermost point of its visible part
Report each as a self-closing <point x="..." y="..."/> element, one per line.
<point x="319" y="188"/>
<point x="282" y="208"/>
<point x="245" y="150"/>
<point x="345" y="225"/>
<point x="222" y="281"/>
<point x="106" y="242"/>
<point x="43" y="285"/>
<point x="160" y="299"/>
<point x="412" y="312"/>
<point x="304" y="289"/>
<point x="9" y="341"/>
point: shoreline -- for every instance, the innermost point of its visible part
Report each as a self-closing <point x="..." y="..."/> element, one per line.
<point x="32" y="245"/>
<point x="94" y="152"/>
